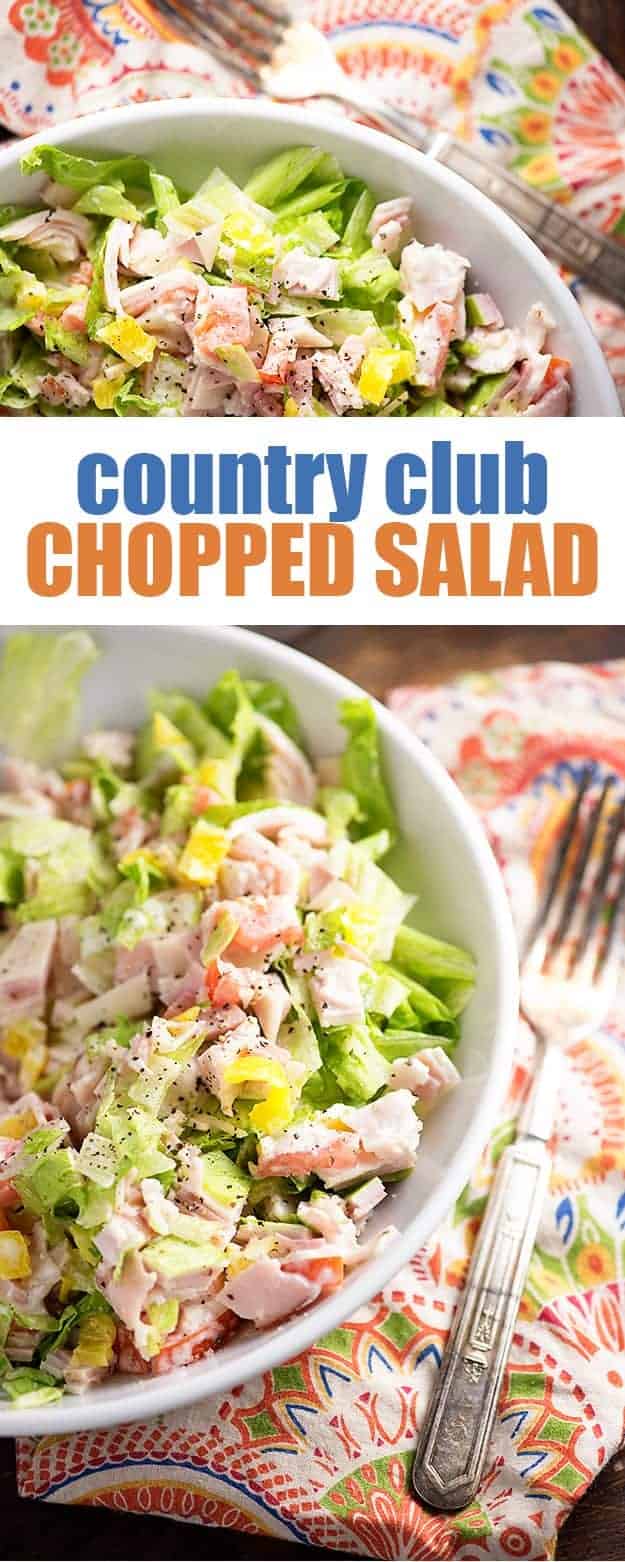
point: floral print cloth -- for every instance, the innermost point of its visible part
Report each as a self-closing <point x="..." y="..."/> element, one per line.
<point x="319" y="1450"/>
<point x="517" y="79"/>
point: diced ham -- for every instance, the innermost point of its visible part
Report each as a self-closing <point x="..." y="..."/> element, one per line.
<point x="64" y="235"/>
<point x="288" y="335"/>
<point x="25" y="962"/>
<point x="427" y="1075"/>
<point x="432" y="275"/>
<point x="132" y="999"/>
<point x="493" y="352"/>
<point x="64" y="390"/>
<point x="337" y="382"/>
<point x="265" y="922"/>
<point x="200" y="247"/>
<point x="554" y="403"/>
<point x="256" y="866"/>
<point x="326" y="1214"/>
<point x="222" y="319"/>
<point x="128" y="1294"/>
<point x="527" y="385"/>
<point x="23" y="776"/>
<point x="392" y="225"/>
<point x="116" y="253"/>
<point x="147" y="251"/>
<point x="264" y="1293"/>
<point x="121" y="1234"/>
<point x="26" y="788"/>
<point x="308" y="276"/>
<point x="167" y="304"/>
<point x="165" y="960"/>
<point x="74" y="317"/>
<point x="363" y="1200"/>
<point x="249" y="400"/>
<point x="343" y="1144"/>
<point x="271" y="1005"/>
<point x="78" y="1097"/>
<point x="166" y="286"/>
<point x="299" y="382"/>
<point x="181" y="992"/>
<point x="334" y="987"/>
<point x="206" y="391"/>
<point x="271" y="821"/>
<point x="299" y="331"/>
<point x="538" y="324"/>
<point x="262" y="992"/>
<point x="431" y="335"/>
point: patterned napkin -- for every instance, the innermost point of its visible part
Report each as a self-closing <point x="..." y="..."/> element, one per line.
<point x="518" y="80"/>
<point x="319" y="1450"/>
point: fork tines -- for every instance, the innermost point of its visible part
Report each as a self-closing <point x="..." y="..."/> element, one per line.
<point x="585" y="884"/>
<point x="241" y="35"/>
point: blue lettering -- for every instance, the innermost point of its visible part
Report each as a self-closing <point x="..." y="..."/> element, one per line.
<point x="400" y="498"/>
<point x="93" y="497"/>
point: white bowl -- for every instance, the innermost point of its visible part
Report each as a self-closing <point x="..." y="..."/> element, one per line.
<point x="444" y="856"/>
<point x="186" y="138"/>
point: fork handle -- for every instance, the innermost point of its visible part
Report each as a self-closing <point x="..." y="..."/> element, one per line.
<point x="592" y="256"/>
<point x="456" y="1433"/>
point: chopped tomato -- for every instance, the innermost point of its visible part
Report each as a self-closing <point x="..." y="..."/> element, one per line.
<point x="180" y="1349"/>
<point x="558" y="367"/>
<point x="212" y="976"/>
<point x="327" y="1273"/>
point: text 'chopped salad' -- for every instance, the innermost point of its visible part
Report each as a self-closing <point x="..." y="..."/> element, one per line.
<point x="299" y="295"/>
<point x="218" y="1036"/>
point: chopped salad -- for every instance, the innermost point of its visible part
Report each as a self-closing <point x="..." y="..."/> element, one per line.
<point x="218" y="1034"/>
<point x="299" y="295"/>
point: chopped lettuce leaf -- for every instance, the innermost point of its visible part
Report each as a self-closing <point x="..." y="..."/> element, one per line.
<point x="82" y="173"/>
<point x="357" y="1065"/>
<point x="40" y="681"/>
<point x="29" y="1388"/>
<point x="108" y="200"/>
<point x="361" y="768"/>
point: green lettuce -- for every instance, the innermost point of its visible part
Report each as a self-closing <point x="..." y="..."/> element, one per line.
<point x="361" y="768"/>
<point x="30" y="1388"/>
<point x="358" y="1067"/>
<point x="447" y="970"/>
<point x="40" y="681"/>
<point x="82" y="173"/>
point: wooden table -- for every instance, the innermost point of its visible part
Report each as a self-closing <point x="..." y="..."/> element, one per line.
<point x="376" y="658"/>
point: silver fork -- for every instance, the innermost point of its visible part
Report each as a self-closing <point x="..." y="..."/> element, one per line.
<point x="262" y="42"/>
<point x="568" y="976"/>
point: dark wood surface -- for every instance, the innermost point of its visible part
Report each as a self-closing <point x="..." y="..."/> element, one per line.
<point x="377" y="659"/>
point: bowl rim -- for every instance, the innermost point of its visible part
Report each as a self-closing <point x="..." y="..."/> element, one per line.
<point x="152" y="1396"/>
<point x="307" y="120"/>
